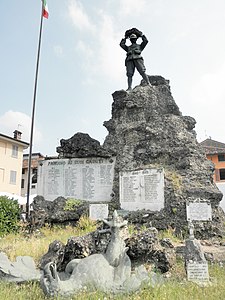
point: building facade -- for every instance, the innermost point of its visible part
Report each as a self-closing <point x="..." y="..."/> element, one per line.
<point x="11" y="160"/>
<point x="36" y="157"/>
<point x="215" y="151"/>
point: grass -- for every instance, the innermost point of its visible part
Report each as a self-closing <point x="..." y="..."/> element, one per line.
<point x="176" y="287"/>
<point x="169" y="233"/>
<point x="36" y="245"/>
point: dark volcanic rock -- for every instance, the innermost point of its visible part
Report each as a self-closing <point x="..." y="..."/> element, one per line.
<point x="81" y="145"/>
<point x="82" y="246"/>
<point x="142" y="244"/>
<point x="54" y="211"/>
<point x="143" y="248"/>
<point x="76" y="247"/>
<point x="55" y="254"/>
<point x="147" y="130"/>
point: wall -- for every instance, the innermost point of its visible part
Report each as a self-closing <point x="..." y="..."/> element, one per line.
<point x="9" y="163"/>
<point x="221" y="186"/>
<point x="218" y="165"/>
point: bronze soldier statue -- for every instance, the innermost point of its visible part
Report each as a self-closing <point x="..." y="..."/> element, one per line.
<point x="134" y="58"/>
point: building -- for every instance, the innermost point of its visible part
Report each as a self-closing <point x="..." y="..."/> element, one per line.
<point x="11" y="160"/>
<point x="36" y="157"/>
<point x="215" y="151"/>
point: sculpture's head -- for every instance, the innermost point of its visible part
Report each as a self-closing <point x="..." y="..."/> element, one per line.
<point x="133" y="38"/>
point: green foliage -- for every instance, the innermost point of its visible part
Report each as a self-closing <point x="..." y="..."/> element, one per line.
<point x="72" y="203"/>
<point x="174" y="210"/>
<point x="175" y="179"/>
<point x="9" y="215"/>
<point x="85" y="224"/>
<point x="132" y="229"/>
<point x="170" y="233"/>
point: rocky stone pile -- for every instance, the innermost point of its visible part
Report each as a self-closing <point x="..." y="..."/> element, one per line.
<point x="147" y="130"/>
<point x="55" y="212"/>
<point x="144" y="247"/>
<point x="81" y="145"/>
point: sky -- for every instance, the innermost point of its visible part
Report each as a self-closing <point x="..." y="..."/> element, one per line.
<point x="82" y="64"/>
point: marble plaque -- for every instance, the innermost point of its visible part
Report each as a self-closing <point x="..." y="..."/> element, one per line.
<point x="142" y="189"/>
<point x="80" y="178"/>
<point x="199" y="211"/>
<point x="98" y="211"/>
<point x="197" y="271"/>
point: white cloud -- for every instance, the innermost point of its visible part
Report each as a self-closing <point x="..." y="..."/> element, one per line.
<point x="132" y="7"/>
<point x="85" y="122"/>
<point x="103" y="55"/>
<point x="58" y="50"/>
<point x="88" y="82"/>
<point x="110" y="54"/>
<point x="79" y="17"/>
<point x="12" y="120"/>
<point x="85" y="49"/>
<point x="210" y="88"/>
<point x="208" y="96"/>
<point x="87" y="60"/>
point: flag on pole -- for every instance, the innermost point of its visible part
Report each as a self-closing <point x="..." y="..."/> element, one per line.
<point x="45" y="9"/>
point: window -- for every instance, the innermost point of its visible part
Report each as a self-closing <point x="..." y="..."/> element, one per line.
<point x="23" y="171"/>
<point x="221" y="157"/>
<point x="22" y="184"/>
<point x="12" y="177"/>
<point x="222" y="174"/>
<point x="34" y="171"/>
<point x="33" y="186"/>
<point x="34" y="177"/>
<point x="14" y="151"/>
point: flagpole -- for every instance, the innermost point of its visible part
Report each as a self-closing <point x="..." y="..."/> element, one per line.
<point x="32" y="118"/>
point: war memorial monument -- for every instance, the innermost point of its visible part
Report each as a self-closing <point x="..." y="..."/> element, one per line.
<point x="149" y="171"/>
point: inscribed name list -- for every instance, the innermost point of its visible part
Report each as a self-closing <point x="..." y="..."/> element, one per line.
<point x="80" y="178"/>
<point x="199" y="211"/>
<point x="197" y="271"/>
<point x="142" y="189"/>
<point x="98" y="211"/>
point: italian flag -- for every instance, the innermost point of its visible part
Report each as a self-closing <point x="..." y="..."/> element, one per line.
<point x="45" y="9"/>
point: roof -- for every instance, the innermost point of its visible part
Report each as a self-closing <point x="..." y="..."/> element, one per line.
<point x="34" y="154"/>
<point x="35" y="158"/>
<point x="13" y="140"/>
<point x="213" y="147"/>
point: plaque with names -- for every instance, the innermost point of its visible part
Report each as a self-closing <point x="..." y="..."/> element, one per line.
<point x="197" y="271"/>
<point x="142" y="189"/>
<point x="88" y="179"/>
<point x="98" y="211"/>
<point x="199" y="211"/>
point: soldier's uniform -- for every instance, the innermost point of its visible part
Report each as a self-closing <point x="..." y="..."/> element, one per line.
<point x="134" y="58"/>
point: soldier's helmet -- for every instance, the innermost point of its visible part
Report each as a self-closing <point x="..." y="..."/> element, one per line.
<point x="133" y="36"/>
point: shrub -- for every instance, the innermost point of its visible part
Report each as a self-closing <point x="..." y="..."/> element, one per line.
<point x="9" y="215"/>
<point x="86" y="224"/>
<point x="72" y="204"/>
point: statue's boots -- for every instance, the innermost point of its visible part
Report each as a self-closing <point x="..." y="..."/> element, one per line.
<point x="146" y="79"/>
<point x="129" y="82"/>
